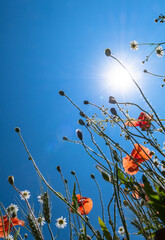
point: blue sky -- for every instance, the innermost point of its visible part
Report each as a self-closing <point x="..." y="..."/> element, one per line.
<point x="46" y="46"/>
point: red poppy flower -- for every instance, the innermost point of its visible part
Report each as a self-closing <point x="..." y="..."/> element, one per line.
<point x="144" y="124"/>
<point x="85" y="204"/>
<point x="8" y="225"/>
<point x="139" y="154"/>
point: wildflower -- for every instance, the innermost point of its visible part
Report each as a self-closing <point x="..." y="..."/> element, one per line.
<point x="144" y="123"/>
<point x="85" y="204"/>
<point x="40" y="198"/>
<point x="121" y="231"/>
<point x="61" y="222"/>
<point x="40" y="220"/>
<point x="8" y="224"/>
<point x="12" y="208"/>
<point x="10" y="237"/>
<point x="159" y="51"/>
<point x="139" y="154"/>
<point x="134" y="45"/>
<point x="26" y="195"/>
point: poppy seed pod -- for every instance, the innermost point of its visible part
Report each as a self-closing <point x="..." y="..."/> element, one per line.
<point x="61" y="93"/>
<point x="112" y="100"/>
<point x="17" y="129"/>
<point x="145" y="71"/>
<point x="113" y="111"/>
<point x="79" y="134"/>
<point x="107" y="52"/>
<point x="11" y="180"/>
<point x="81" y="122"/>
<point x="86" y="102"/>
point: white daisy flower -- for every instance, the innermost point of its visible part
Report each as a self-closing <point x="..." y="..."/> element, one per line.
<point x="26" y="194"/>
<point x="40" y="198"/>
<point x="159" y="51"/>
<point x="12" y="208"/>
<point x="121" y="231"/>
<point x="163" y="167"/>
<point x="134" y="45"/>
<point x="9" y="237"/>
<point x="61" y="222"/>
<point x="40" y="220"/>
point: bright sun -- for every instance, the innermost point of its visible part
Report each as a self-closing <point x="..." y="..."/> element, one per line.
<point x="117" y="77"/>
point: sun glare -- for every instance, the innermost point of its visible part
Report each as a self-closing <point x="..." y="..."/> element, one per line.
<point x="118" y="78"/>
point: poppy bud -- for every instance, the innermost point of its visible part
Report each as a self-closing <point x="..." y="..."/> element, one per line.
<point x="107" y="52"/>
<point x="11" y="180"/>
<point x="79" y="134"/>
<point x="112" y="100"/>
<point x="163" y="79"/>
<point x="145" y="71"/>
<point x="25" y="236"/>
<point x="73" y="172"/>
<point x="66" y="181"/>
<point x="14" y="214"/>
<point x="61" y="93"/>
<point x="17" y="129"/>
<point x="125" y="203"/>
<point x="113" y="111"/>
<point x="86" y="102"/>
<point x="65" y="138"/>
<point x="30" y="158"/>
<point x="92" y="176"/>
<point x="82" y="114"/>
<point x="81" y="122"/>
<point x="156" y="20"/>
<point x="58" y="168"/>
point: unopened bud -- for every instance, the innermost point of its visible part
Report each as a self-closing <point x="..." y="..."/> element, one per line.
<point x="82" y="114"/>
<point x="11" y="180"/>
<point x="58" y="168"/>
<point x="65" y="138"/>
<point x="86" y="102"/>
<point x="73" y="172"/>
<point x="79" y="134"/>
<point x="81" y="122"/>
<point x="145" y="71"/>
<point x="113" y="111"/>
<point x="112" y="100"/>
<point x="92" y="176"/>
<point x="25" y="236"/>
<point x="14" y="214"/>
<point x="61" y="93"/>
<point x="17" y="129"/>
<point x="107" y="52"/>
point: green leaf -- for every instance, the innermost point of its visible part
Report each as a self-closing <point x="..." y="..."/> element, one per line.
<point x="104" y="229"/>
<point x="17" y="234"/>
